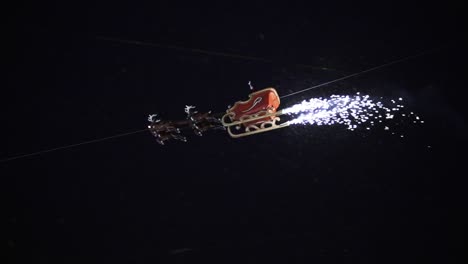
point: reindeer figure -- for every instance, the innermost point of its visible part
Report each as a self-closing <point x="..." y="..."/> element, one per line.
<point x="201" y="122"/>
<point x="164" y="130"/>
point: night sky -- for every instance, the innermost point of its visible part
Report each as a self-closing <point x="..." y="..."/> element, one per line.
<point x="312" y="194"/>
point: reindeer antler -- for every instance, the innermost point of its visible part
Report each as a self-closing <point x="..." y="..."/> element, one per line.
<point x="188" y="108"/>
<point x="152" y="118"/>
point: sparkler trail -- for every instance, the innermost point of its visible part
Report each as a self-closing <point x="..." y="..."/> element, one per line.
<point x="350" y="111"/>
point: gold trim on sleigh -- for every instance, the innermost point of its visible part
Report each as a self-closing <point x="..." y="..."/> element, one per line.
<point x="240" y="130"/>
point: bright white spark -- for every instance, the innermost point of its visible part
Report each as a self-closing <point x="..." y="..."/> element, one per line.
<point x="350" y="111"/>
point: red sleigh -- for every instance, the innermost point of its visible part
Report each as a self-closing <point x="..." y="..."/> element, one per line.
<point x="256" y="115"/>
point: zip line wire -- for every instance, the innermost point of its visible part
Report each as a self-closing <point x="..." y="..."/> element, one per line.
<point x="205" y="52"/>
<point x="224" y="54"/>
<point x="72" y="146"/>
<point x="218" y="54"/>
<point x="364" y="71"/>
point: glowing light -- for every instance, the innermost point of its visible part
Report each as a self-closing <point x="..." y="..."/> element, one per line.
<point x="350" y="111"/>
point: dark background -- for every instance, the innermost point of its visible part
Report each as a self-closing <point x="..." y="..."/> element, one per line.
<point x="300" y="194"/>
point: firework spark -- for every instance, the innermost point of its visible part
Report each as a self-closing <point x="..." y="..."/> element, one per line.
<point x="350" y="111"/>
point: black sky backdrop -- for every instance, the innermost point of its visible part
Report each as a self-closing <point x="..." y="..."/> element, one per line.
<point x="301" y="194"/>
